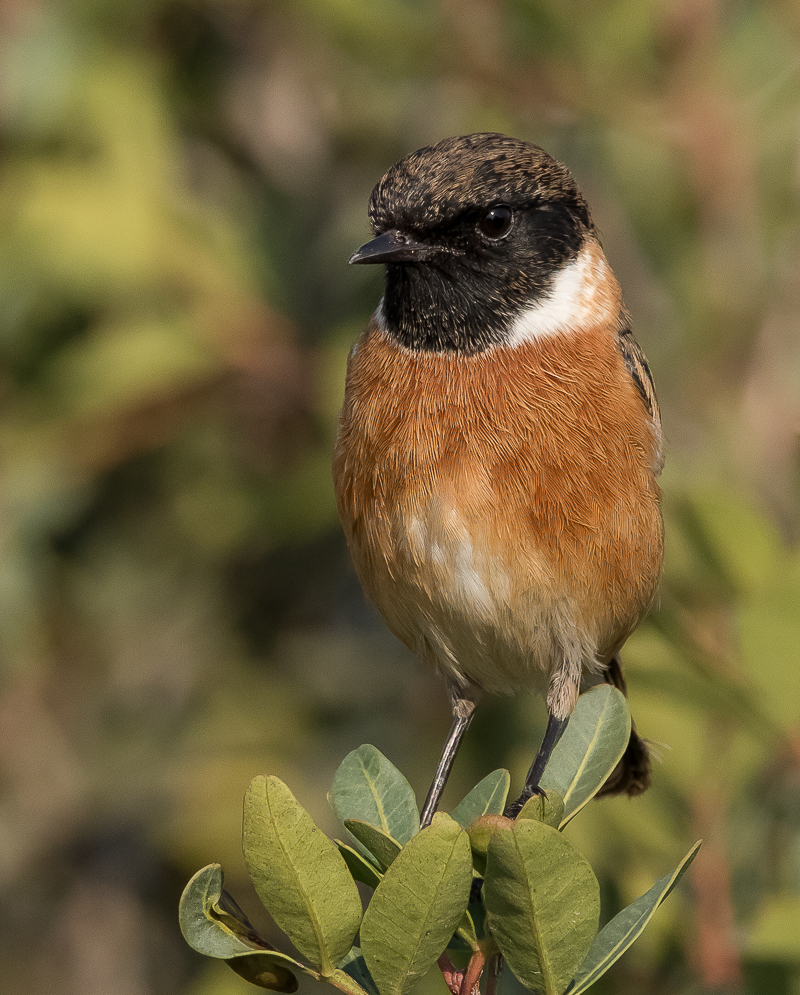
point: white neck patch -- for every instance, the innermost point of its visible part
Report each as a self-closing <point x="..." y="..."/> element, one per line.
<point x="582" y="294"/>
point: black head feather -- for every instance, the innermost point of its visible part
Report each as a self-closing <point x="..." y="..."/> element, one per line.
<point x="463" y="288"/>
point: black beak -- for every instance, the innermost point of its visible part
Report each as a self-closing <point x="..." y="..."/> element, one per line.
<point x="393" y="247"/>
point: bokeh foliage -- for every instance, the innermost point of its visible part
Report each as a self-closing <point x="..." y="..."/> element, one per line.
<point x="181" y="184"/>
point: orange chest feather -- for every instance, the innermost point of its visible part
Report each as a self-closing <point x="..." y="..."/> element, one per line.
<point x="556" y="429"/>
<point x="544" y="454"/>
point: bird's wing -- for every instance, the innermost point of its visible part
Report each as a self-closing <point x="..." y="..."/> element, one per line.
<point x="638" y="368"/>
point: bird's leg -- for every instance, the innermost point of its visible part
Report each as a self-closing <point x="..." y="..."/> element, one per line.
<point x="562" y="696"/>
<point x="463" y="710"/>
<point x="552" y="734"/>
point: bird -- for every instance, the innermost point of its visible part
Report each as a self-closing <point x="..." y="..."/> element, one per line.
<point x="497" y="456"/>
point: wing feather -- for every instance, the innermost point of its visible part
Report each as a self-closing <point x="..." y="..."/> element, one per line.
<point x="639" y="370"/>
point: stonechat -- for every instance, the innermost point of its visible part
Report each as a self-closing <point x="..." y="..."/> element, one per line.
<point x="497" y="456"/>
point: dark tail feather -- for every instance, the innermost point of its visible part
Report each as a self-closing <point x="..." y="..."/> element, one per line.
<point x="631" y="776"/>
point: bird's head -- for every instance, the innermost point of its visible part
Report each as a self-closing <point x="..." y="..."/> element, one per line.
<point x="474" y="231"/>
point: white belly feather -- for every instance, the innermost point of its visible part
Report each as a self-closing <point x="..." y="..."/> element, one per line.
<point x="476" y="618"/>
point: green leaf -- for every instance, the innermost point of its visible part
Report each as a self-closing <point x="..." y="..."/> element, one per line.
<point x="542" y="904"/>
<point x="417" y="907"/>
<point x="299" y="874"/>
<point x="226" y="912"/>
<point x="467" y="931"/>
<point x="213" y="924"/>
<point x="480" y="835"/>
<point x="355" y="966"/>
<point x="547" y="808"/>
<point x="201" y="930"/>
<point x="614" y="939"/>
<point x="488" y="797"/>
<point x="345" y="982"/>
<point x="369" y="788"/>
<point x="380" y="845"/>
<point x="361" y="869"/>
<point x="595" y="739"/>
<point x="211" y="921"/>
<point x="257" y="969"/>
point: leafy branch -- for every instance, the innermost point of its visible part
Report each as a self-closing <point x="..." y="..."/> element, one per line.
<point x="472" y="891"/>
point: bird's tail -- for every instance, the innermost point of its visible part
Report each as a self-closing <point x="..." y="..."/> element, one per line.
<point x="631" y="776"/>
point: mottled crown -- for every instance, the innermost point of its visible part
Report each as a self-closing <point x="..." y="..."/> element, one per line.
<point x="438" y="183"/>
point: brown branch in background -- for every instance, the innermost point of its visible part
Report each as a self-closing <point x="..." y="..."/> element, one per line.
<point x="495" y="967"/>
<point x="718" y="959"/>
<point x="461" y="981"/>
<point x="452" y="975"/>
<point x="471" y="983"/>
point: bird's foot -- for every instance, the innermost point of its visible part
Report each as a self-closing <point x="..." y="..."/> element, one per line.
<point x="513" y="810"/>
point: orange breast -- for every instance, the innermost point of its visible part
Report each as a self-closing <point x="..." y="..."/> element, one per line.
<point x="499" y="505"/>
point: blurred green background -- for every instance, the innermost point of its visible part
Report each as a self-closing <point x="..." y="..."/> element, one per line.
<point x="182" y="182"/>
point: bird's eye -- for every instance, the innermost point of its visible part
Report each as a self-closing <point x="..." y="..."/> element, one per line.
<point x="496" y="223"/>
